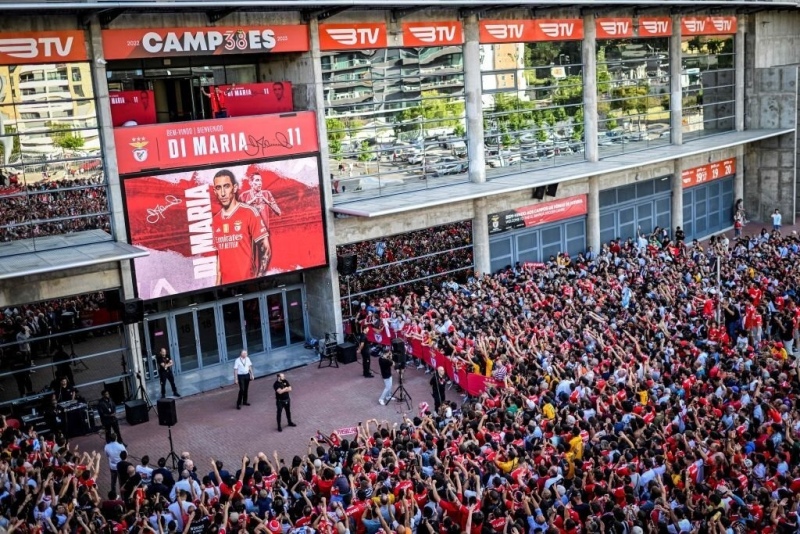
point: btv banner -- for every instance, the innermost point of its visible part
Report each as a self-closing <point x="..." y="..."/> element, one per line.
<point x="228" y="40"/>
<point x="174" y="145"/>
<point x="536" y="214"/>
<point x="225" y="224"/>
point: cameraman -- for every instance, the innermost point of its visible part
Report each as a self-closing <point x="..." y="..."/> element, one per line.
<point x="386" y="364"/>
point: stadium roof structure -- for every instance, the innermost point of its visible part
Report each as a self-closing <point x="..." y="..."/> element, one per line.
<point x="476" y="5"/>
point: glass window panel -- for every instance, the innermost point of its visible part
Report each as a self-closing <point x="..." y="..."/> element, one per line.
<point x="713" y="220"/>
<point x="527" y="241"/>
<point x="662" y="185"/>
<point x="252" y="325"/>
<point x="707" y="82"/>
<point x="626" y="215"/>
<point x="233" y="329"/>
<point x="550" y="252"/>
<point x="551" y="235"/>
<point x="663" y="219"/>
<point x="576" y="246"/>
<point x="645" y="189"/>
<point x="576" y="229"/>
<point x="663" y="205"/>
<point x="528" y="255"/>
<point x="626" y="193"/>
<point x="608" y="197"/>
<point x="500" y="248"/>
<point x="644" y="210"/>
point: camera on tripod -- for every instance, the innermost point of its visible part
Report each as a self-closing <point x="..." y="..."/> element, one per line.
<point x="399" y="354"/>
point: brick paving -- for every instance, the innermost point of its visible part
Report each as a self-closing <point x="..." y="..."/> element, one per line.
<point x="209" y="425"/>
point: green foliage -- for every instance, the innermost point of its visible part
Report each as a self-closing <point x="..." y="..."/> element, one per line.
<point x="336" y="134"/>
<point x="611" y="124"/>
<point x="364" y="154"/>
<point x="11" y="130"/>
<point x="63" y="137"/>
<point x="437" y="112"/>
<point x="577" y="125"/>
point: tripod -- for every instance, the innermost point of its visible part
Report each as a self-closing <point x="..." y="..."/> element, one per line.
<point x="172" y="456"/>
<point x="142" y="392"/>
<point x="400" y="393"/>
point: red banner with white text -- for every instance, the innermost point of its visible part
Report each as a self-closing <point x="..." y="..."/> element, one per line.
<point x="473" y="383"/>
<point x="173" y="145"/>
<point x="535" y="214"/>
<point x="132" y="108"/>
<point x="245" y="99"/>
<point x="707" y="173"/>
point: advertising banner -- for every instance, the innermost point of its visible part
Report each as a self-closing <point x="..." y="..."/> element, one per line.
<point x="442" y="33"/>
<point x="226" y="40"/>
<point x="24" y="48"/>
<point x="655" y="26"/>
<point x="521" y="31"/>
<point x="535" y="214"/>
<point x="245" y="99"/>
<point x="132" y="108"/>
<point x="614" y="27"/>
<point x="708" y="25"/>
<point x="352" y="36"/>
<point x="171" y="146"/>
<point x="225" y="224"/>
<point x="707" y="173"/>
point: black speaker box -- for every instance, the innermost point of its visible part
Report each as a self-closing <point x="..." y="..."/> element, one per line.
<point x="133" y="311"/>
<point x="167" y="413"/>
<point x="113" y="300"/>
<point x="551" y="190"/>
<point x="116" y="390"/>
<point x="399" y="353"/>
<point x="347" y="265"/>
<point x="346" y="352"/>
<point x="76" y="422"/>
<point x="136" y="412"/>
<point x="538" y="193"/>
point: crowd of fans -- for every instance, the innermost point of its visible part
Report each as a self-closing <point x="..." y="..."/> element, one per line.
<point x="408" y="262"/>
<point x="637" y="392"/>
<point x="45" y="331"/>
<point x="53" y="207"/>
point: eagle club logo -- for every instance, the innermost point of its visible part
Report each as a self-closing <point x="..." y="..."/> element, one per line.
<point x="139" y="151"/>
<point x="237" y="226"/>
<point x="378" y="338"/>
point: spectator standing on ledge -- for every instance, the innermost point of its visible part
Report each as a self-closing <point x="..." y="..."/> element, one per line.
<point x="776" y="219"/>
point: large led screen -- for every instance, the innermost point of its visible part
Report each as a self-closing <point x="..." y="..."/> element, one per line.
<point x="225" y="224"/>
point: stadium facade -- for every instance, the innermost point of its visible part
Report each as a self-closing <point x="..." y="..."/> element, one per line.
<point x="474" y="136"/>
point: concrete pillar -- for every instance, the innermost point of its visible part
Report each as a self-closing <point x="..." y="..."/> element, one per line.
<point x="676" y="96"/>
<point x="474" y="106"/>
<point x="116" y="205"/>
<point x="589" y="56"/>
<point x="593" y="216"/>
<point x="322" y="288"/>
<point x="677" y="195"/>
<point x="480" y="237"/>
<point x="738" y="178"/>
<point x="739" y="75"/>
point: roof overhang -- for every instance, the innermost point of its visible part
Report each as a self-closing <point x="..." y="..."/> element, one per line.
<point x="430" y="198"/>
<point x="89" y="5"/>
<point x="61" y="259"/>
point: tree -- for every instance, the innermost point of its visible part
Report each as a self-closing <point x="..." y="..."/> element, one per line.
<point x="577" y="125"/>
<point x="363" y="153"/>
<point x="335" y="128"/>
<point x="611" y="124"/>
<point x="63" y="137"/>
<point x="17" y="147"/>
<point x="459" y="130"/>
